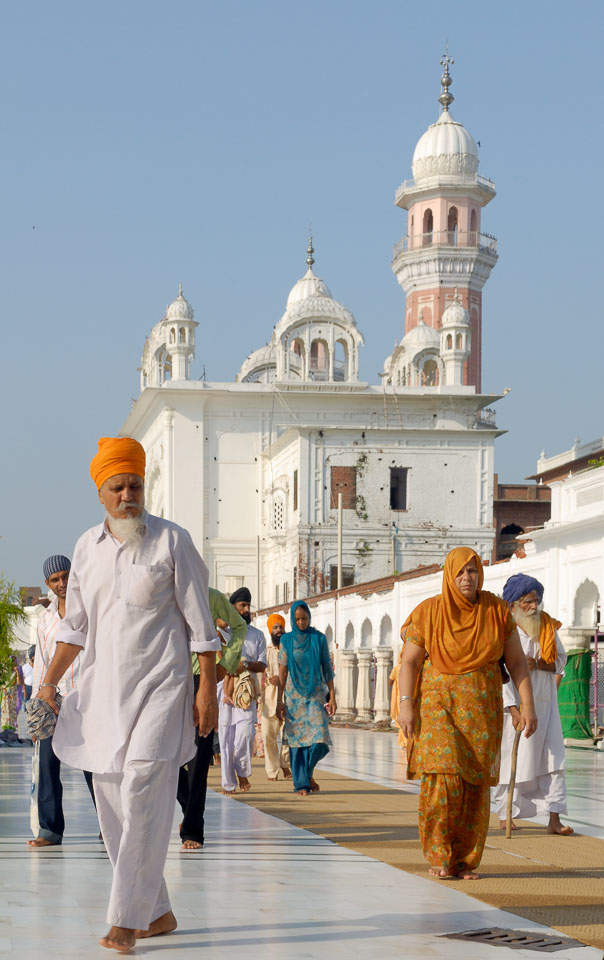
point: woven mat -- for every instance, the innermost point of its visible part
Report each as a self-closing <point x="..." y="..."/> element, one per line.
<point x="557" y="881"/>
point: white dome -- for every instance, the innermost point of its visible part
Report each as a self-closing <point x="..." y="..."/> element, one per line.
<point x="445" y="149"/>
<point x="308" y="286"/>
<point x="260" y="359"/>
<point x="456" y="315"/>
<point x="179" y="309"/>
<point x="420" y="337"/>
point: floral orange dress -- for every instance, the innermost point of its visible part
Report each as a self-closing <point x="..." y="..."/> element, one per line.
<point x="455" y="753"/>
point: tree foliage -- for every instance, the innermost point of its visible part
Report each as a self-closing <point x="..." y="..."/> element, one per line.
<point x="11" y="612"/>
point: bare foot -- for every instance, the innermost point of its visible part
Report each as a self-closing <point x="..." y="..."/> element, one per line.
<point x="191" y="845"/>
<point x="440" y="873"/>
<point x="287" y="773"/>
<point x="229" y="793"/>
<point x="121" y="939"/>
<point x="466" y="874"/>
<point x="164" y="924"/>
<point x="272" y="779"/>
<point x="244" y="784"/>
<point x="555" y="826"/>
<point x="42" y="842"/>
<point x="503" y="825"/>
<point x="301" y="793"/>
<point x="314" y="786"/>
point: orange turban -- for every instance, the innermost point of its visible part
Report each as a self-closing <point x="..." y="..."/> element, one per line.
<point x="273" y="619"/>
<point x="461" y="636"/>
<point x="117" y="455"/>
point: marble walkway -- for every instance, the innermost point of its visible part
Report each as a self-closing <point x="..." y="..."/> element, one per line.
<point x="261" y="888"/>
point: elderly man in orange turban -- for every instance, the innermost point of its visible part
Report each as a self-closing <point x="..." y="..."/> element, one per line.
<point x="270" y="724"/>
<point x="136" y="606"/>
<point x="451" y="710"/>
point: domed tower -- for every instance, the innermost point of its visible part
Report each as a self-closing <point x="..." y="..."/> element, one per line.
<point x="455" y="341"/>
<point x="316" y="338"/>
<point x="180" y="336"/>
<point x="444" y="248"/>
<point x="170" y="347"/>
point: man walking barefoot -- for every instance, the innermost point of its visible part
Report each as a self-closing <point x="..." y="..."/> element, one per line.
<point x="136" y="606"/>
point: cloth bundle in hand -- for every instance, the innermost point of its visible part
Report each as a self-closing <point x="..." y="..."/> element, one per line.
<point x="41" y="718"/>
<point x="246" y="690"/>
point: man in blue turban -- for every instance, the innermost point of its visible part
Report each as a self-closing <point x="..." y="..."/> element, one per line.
<point x="540" y="787"/>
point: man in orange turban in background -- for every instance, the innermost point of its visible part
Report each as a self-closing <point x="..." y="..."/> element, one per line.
<point x="451" y="710"/>
<point x="136" y="606"/>
<point x="270" y="724"/>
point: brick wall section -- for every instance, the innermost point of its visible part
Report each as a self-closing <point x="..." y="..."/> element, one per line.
<point x="344" y="481"/>
<point x="526" y="505"/>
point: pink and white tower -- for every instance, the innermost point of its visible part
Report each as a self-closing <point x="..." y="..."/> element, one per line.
<point x="444" y="249"/>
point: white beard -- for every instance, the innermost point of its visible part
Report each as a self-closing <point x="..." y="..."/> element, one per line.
<point x="128" y="529"/>
<point x="530" y="623"/>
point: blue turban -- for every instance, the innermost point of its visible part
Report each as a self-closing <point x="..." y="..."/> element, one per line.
<point x="55" y="564"/>
<point x="519" y="585"/>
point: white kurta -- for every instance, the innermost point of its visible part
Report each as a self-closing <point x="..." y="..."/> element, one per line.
<point x="46" y="645"/>
<point x="138" y="612"/>
<point x="542" y="755"/>
<point x="253" y="649"/>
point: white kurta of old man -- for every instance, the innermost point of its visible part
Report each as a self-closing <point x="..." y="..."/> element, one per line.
<point x="540" y="780"/>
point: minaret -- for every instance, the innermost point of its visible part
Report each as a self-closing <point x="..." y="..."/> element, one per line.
<point x="455" y="341"/>
<point x="444" y="249"/>
<point x="180" y="336"/>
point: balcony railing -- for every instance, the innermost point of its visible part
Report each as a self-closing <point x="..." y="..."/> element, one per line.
<point x="462" y="178"/>
<point x="447" y="238"/>
<point x="485" y="419"/>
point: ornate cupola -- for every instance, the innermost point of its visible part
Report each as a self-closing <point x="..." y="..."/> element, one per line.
<point x="444" y="248"/>
<point x="455" y="341"/>
<point x="170" y="347"/>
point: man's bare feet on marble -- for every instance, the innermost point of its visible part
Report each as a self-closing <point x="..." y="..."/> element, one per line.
<point x="503" y="825"/>
<point x="244" y="784"/>
<point x="287" y="773"/>
<point x="42" y="842"/>
<point x="314" y="786"/>
<point x="121" y="939"/>
<point x="164" y="924"/>
<point x="191" y="845"/>
<point x="229" y="793"/>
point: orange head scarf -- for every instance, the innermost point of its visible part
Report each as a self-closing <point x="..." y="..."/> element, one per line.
<point x="273" y="619"/>
<point x="117" y="455"/>
<point x="461" y="636"/>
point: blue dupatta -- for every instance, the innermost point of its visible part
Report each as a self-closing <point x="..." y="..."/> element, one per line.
<point x="303" y="650"/>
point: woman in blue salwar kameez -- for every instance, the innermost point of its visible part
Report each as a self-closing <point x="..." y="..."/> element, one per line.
<point x="305" y="676"/>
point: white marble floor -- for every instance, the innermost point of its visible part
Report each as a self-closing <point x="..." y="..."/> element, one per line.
<point x="260" y="889"/>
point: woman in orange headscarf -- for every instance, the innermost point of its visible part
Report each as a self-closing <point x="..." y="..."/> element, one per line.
<point x="451" y="710"/>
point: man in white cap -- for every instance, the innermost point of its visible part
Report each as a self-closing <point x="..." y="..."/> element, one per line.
<point x="137" y="605"/>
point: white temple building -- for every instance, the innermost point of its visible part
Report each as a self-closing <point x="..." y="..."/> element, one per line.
<point x="253" y="467"/>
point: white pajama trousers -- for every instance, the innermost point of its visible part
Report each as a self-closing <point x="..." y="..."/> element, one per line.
<point x="236" y="745"/>
<point x="533" y="798"/>
<point x="274" y="760"/>
<point x="136" y="810"/>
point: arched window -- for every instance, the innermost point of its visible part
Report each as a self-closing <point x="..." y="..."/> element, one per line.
<point x="340" y="361"/>
<point x="319" y="360"/>
<point x="430" y="374"/>
<point x="385" y="631"/>
<point x="586" y="604"/>
<point x="182" y="337"/>
<point x="458" y="341"/>
<point x="473" y="226"/>
<point x="329" y="637"/>
<point x="507" y="541"/>
<point x="366" y="633"/>
<point x="449" y="341"/>
<point x="349" y="637"/>
<point x="428" y="227"/>
<point x="452" y="226"/>
<point x="172" y="335"/>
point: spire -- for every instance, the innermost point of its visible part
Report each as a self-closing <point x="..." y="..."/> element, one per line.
<point x="446" y="80"/>
<point x="310" y="250"/>
<point x="180" y="293"/>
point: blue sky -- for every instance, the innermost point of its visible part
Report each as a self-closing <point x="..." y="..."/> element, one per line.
<point x="147" y="144"/>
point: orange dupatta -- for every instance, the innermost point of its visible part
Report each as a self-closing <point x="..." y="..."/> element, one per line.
<point x="461" y="636"/>
<point x="547" y="637"/>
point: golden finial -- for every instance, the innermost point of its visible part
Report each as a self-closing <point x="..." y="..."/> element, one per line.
<point x="446" y="80"/>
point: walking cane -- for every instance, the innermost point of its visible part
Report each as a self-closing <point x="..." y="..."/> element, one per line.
<point x="512" y="784"/>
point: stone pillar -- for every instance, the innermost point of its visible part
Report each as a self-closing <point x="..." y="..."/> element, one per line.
<point x="345" y="698"/>
<point x="382" y="690"/>
<point x="364" y="712"/>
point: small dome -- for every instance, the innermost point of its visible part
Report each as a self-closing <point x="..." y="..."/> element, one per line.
<point x="456" y="315"/>
<point x="445" y="149"/>
<point x="308" y="286"/>
<point x="260" y="360"/>
<point x="420" y="337"/>
<point x="179" y="309"/>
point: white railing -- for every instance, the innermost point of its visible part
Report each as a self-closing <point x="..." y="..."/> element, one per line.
<point x="470" y="178"/>
<point x="447" y="238"/>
